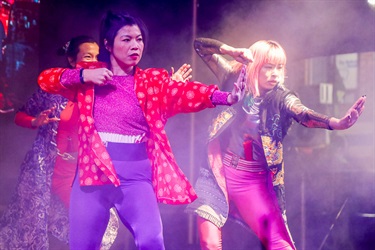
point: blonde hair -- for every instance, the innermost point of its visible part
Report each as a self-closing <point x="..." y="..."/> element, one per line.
<point x="264" y="51"/>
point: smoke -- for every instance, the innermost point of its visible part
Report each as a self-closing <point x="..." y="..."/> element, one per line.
<point x="304" y="28"/>
<point x="318" y="180"/>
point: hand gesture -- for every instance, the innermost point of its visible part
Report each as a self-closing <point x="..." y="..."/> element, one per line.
<point x="350" y="117"/>
<point x="241" y="55"/>
<point x="43" y="118"/>
<point x="182" y="74"/>
<point x="98" y="76"/>
<point x="239" y="88"/>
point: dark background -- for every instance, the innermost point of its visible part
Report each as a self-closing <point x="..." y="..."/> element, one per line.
<point x="318" y="186"/>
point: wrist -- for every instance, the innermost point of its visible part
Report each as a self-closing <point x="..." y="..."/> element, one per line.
<point x="33" y="123"/>
<point x="333" y="123"/>
<point x="81" y="79"/>
<point x="220" y="98"/>
<point x="230" y="99"/>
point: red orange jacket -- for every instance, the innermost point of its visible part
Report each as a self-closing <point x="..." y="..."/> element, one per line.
<point x="160" y="98"/>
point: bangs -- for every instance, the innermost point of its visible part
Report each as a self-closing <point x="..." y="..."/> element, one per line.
<point x="275" y="56"/>
<point x="264" y="52"/>
<point x="268" y="52"/>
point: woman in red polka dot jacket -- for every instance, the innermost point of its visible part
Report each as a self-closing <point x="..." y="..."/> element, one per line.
<point x="125" y="159"/>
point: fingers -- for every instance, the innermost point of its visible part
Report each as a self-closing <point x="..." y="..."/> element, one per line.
<point x="187" y="73"/>
<point x="107" y="76"/>
<point x="188" y="78"/>
<point x="53" y="119"/>
<point x="242" y="78"/>
<point x="238" y="91"/>
<point x="183" y="68"/>
<point x="352" y="116"/>
<point x="109" y="73"/>
<point x="358" y="107"/>
<point x="361" y="110"/>
<point x="183" y="73"/>
<point x="44" y="114"/>
<point x="243" y="56"/>
<point x="43" y="119"/>
<point x="248" y="55"/>
<point x="48" y="120"/>
<point x="239" y="85"/>
<point x="98" y="76"/>
<point x="244" y="73"/>
<point x="360" y="103"/>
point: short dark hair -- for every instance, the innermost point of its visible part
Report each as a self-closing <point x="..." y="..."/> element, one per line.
<point x="71" y="48"/>
<point x="111" y="24"/>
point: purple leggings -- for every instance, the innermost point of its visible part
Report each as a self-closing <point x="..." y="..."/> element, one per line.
<point x="134" y="200"/>
<point x="256" y="202"/>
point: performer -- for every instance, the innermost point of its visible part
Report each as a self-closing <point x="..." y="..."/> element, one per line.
<point x="245" y="176"/>
<point x="41" y="202"/>
<point x="125" y="159"/>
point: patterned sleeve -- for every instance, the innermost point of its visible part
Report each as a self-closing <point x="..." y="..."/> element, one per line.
<point x="65" y="81"/>
<point x="303" y="115"/>
<point x="220" y="98"/>
<point x="50" y="81"/>
<point x="179" y="97"/>
<point x="36" y="103"/>
<point x="209" y="50"/>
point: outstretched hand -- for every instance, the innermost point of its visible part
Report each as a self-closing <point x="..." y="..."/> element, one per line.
<point x="350" y="117"/>
<point x="241" y="55"/>
<point x="182" y="74"/>
<point x="239" y="88"/>
<point x="43" y="118"/>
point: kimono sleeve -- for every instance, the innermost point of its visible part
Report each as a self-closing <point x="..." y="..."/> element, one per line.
<point x="183" y="97"/>
<point x="49" y="81"/>
<point x="303" y="115"/>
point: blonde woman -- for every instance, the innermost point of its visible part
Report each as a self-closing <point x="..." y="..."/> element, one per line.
<point x="245" y="152"/>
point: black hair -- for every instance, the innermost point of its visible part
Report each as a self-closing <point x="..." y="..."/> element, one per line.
<point x="71" y="48"/>
<point x="109" y="27"/>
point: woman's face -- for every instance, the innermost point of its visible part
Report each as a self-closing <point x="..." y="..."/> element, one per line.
<point x="127" y="48"/>
<point x="269" y="76"/>
<point x="88" y="52"/>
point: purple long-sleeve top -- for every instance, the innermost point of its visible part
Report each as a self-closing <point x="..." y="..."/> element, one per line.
<point x="116" y="107"/>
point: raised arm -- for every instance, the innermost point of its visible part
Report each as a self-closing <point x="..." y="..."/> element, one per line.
<point x="209" y="50"/>
<point x="212" y="52"/>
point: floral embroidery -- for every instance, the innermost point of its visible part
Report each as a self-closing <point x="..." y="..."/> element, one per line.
<point x="273" y="150"/>
<point x="220" y="121"/>
<point x="275" y="129"/>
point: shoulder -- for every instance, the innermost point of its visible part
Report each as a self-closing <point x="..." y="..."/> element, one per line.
<point x="280" y="88"/>
<point x="283" y="92"/>
<point x="151" y="77"/>
<point x="152" y="72"/>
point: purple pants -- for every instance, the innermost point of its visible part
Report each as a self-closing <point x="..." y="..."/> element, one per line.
<point x="134" y="200"/>
<point x="256" y="202"/>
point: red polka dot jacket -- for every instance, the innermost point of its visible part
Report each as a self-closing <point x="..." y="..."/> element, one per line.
<point x="160" y="98"/>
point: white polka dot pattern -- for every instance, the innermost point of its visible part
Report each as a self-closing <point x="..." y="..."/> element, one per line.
<point x="160" y="98"/>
